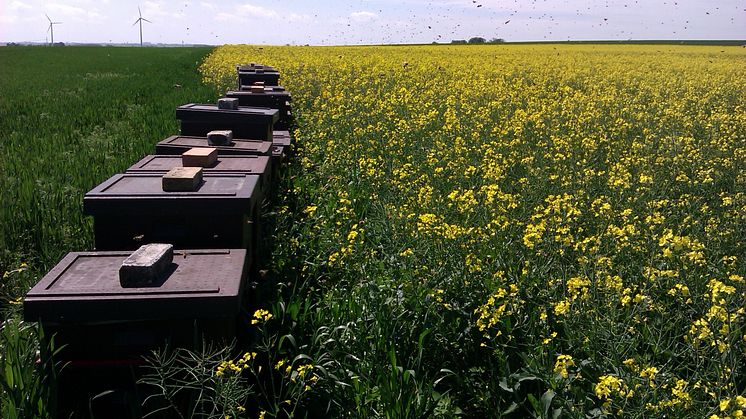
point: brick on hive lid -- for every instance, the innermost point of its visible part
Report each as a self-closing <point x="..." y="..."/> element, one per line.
<point x="146" y="266"/>
<point x="182" y="179"/>
<point x="229" y="103"/>
<point x="199" y="157"/>
<point x="220" y="137"/>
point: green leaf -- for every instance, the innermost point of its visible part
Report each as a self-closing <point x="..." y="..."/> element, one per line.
<point x="546" y="402"/>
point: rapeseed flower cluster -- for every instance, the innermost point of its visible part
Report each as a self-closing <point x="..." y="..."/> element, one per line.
<point x="237" y="366"/>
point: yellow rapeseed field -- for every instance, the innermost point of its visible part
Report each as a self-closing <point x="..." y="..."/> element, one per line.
<point x="524" y="227"/>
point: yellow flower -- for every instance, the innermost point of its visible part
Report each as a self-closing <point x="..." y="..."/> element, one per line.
<point x="609" y="385"/>
<point x="724" y="404"/>
<point x="261" y="316"/>
<point x="406" y="252"/>
<point x="562" y="308"/>
<point x="561" y="364"/>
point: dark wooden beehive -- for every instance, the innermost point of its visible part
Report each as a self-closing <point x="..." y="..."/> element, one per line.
<point x="245" y="122"/>
<point x="132" y="209"/>
<point x="269" y="77"/>
<point x="268" y="98"/>
<point x="82" y="303"/>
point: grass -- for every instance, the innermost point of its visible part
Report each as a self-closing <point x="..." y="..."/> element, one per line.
<point x="71" y="117"/>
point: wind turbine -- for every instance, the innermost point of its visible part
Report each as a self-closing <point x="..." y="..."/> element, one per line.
<point x="140" y="22"/>
<point x="51" y="26"/>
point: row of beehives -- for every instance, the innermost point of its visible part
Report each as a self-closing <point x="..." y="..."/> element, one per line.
<point x="201" y="193"/>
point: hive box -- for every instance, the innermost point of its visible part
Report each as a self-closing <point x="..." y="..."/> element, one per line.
<point x="178" y="144"/>
<point x="268" y="98"/>
<point x="102" y="330"/>
<point x="224" y="164"/>
<point x="248" y="76"/>
<point x="245" y="122"/>
<point x="132" y="209"/>
<point x="83" y="303"/>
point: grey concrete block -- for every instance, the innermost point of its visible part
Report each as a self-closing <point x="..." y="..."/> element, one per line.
<point x="230" y="103"/>
<point x="182" y="179"/>
<point x="220" y="137"/>
<point x="146" y="266"/>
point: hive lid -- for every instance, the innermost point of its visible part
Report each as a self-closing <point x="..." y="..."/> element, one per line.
<point x="84" y="287"/>
<point x="183" y="142"/>
<point x="250" y="66"/>
<point x="142" y="193"/>
<point x="251" y="114"/>
<point x="270" y="92"/>
<point x="225" y="164"/>
<point x="247" y="88"/>
<point x="258" y="70"/>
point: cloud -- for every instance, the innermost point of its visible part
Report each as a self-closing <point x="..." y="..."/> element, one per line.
<point x="18" y="5"/>
<point x="208" y="5"/>
<point x="154" y="10"/>
<point x="299" y="18"/>
<point x="249" y="10"/>
<point x="363" y="16"/>
<point x="227" y="17"/>
<point x="72" y="12"/>
<point x="246" y="11"/>
<point x="8" y="19"/>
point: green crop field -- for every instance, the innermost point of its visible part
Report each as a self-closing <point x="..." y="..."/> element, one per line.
<point x="72" y="117"/>
<point x="464" y="231"/>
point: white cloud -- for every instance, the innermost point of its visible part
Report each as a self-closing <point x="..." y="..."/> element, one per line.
<point x="57" y="11"/>
<point x="363" y="16"/>
<point x="227" y="17"/>
<point x="299" y="18"/>
<point x="8" y="19"/>
<point x="249" y="10"/>
<point x="152" y="10"/>
<point x="18" y="5"/>
<point x="208" y="5"/>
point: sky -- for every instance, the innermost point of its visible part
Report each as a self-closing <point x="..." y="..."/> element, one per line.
<point x="325" y="22"/>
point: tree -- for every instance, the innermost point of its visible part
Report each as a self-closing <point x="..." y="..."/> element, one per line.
<point x="496" y="41"/>
<point x="477" y="40"/>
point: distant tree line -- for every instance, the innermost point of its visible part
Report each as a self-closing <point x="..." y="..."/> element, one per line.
<point x="477" y="40"/>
